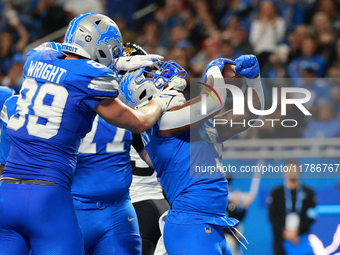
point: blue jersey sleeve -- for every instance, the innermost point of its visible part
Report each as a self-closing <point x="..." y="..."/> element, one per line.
<point x="4" y="94"/>
<point x="104" y="86"/>
<point x="95" y="80"/>
<point x="44" y="53"/>
<point x="7" y="111"/>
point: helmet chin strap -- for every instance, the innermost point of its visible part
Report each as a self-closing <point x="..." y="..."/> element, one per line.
<point x="142" y="104"/>
<point x="177" y="83"/>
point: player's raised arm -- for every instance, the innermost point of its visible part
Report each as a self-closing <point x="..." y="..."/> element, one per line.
<point x="181" y="118"/>
<point x="118" y="114"/>
<point x="248" y="67"/>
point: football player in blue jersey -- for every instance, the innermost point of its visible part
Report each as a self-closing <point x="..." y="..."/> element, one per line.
<point x="60" y="96"/>
<point x="105" y="149"/>
<point x="198" y="201"/>
<point x="101" y="191"/>
<point x="145" y="191"/>
<point x="9" y="101"/>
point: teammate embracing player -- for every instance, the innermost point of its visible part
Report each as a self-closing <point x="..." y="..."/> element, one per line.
<point x="197" y="214"/>
<point x="59" y="99"/>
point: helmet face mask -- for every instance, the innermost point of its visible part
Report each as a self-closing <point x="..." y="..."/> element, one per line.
<point x="161" y="73"/>
<point x="138" y="87"/>
<point x="94" y="36"/>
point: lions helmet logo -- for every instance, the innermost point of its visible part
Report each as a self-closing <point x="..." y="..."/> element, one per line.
<point x="111" y="33"/>
<point x="126" y="91"/>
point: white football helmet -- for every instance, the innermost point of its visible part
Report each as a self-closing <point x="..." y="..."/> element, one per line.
<point x="137" y="87"/>
<point x="94" y="36"/>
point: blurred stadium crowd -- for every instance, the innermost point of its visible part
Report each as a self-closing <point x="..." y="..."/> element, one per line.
<point x="294" y="40"/>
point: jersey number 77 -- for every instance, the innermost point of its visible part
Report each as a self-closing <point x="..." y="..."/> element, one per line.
<point x="89" y="146"/>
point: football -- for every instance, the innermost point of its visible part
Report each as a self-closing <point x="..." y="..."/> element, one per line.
<point x="230" y="76"/>
<point x="229" y="71"/>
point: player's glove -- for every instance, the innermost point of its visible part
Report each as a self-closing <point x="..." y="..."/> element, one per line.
<point x="219" y="62"/>
<point x="247" y="66"/>
<point x="169" y="98"/>
<point x="127" y="63"/>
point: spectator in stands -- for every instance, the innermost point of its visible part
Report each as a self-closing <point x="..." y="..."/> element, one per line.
<point x="309" y="56"/>
<point x="149" y="40"/>
<point x="8" y="48"/>
<point x="240" y="8"/>
<point x="6" y="52"/>
<point x="325" y="126"/>
<point x="295" y="40"/>
<point x="166" y="18"/>
<point x="180" y="55"/>
<point x="51" y="15"/>
<point x="211" y="50"/>
<point x="319" y="88"/>
<point x="15" y="75"/>
<point x="267" y="31"/>
<point x="293" y="12"/>
<point x="231" y="29"/>
<point x="290" y="212"/>
<point x="275" y="66"/>
<point x="77" y="7"/>
<point x="325" y="37"/>
<point x="330" y="8"/>
<point x="128" y="34"/>
<point x="126" y="10"/>
<point x="228" y="51"/>
<point x="321" y="24"/>
<point x="334" y="74"/>
<point x="178" y="33"/>
<point x="240" y="41"/>
<point x="22" y="6"/>
<point x="335" y="61"/>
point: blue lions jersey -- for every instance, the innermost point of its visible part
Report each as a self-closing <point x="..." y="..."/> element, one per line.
<point x="4" y="94"/>
<point x="54" y="111"/>
<point x="8" y="110"/>
<point x="175" y="159"/>
<point x="103" y="172"/>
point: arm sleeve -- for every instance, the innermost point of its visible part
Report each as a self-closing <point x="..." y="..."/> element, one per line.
<point x="99" y="89"/>
<point x="4" y="142"/>
<point x="4" y="115"/>
<point x="192" y="113"/>
<point x="137" y="142"/>
<point x="256" y="84"/>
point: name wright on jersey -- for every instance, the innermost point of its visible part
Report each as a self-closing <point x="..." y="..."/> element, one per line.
<point x="45" y="71"/>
